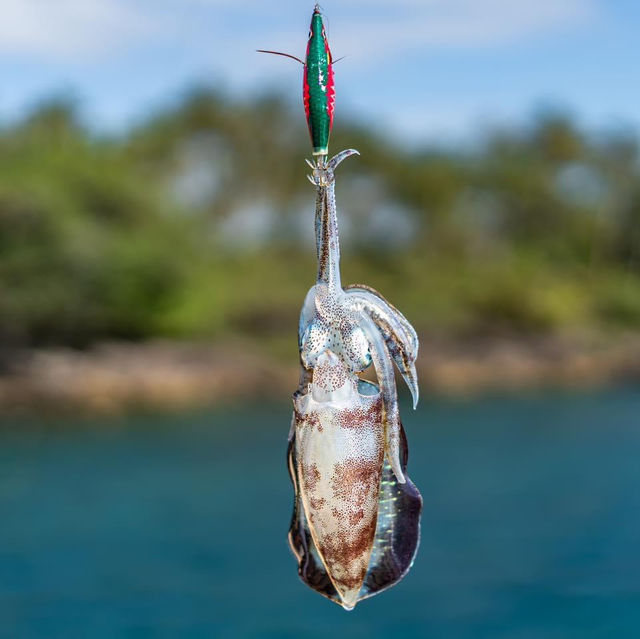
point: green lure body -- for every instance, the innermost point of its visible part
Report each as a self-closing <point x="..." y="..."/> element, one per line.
<point x="318" y="87"/>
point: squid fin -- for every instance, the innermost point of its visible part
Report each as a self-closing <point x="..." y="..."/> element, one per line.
<point x="398" y="529"/>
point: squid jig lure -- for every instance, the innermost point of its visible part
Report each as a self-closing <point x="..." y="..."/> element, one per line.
<point x="317" y="85"/>
<point x="355" y="527"/>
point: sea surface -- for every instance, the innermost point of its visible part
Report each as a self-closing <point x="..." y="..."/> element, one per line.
<point x="175" y="525"/>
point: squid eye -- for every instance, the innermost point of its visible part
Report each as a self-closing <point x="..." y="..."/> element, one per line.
<point x="310" y="34"/>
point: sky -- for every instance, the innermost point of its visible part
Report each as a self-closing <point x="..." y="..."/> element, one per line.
<point x="418" y="69"/>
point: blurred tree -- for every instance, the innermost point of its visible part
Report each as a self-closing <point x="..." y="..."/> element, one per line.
<point x="199" y="222"/>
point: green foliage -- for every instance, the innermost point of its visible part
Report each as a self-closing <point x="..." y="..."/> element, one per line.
<point x="143" y="235"/>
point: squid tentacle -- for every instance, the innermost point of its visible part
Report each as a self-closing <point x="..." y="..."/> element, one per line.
<point x="387" y="384"/>
<point x="384" y="308"/>
<point x="400" y="337"/>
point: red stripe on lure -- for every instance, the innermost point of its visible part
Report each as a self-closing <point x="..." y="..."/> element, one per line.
<point x="318" y="89"/>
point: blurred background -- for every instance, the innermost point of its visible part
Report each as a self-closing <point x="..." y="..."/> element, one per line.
<point x="156" y="243"/>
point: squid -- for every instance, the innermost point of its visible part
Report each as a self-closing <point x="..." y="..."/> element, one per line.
<point x="355" y="527"/>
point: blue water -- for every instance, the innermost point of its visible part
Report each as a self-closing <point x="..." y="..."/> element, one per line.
<point x="175" y="526"/>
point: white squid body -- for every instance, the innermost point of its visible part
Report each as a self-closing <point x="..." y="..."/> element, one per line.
<point x="356" y="521"/>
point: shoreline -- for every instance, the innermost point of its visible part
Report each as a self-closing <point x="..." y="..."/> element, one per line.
<point x="117" y="377"/>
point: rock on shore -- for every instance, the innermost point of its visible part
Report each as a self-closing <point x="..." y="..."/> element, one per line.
<point x="113" y="377"/>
